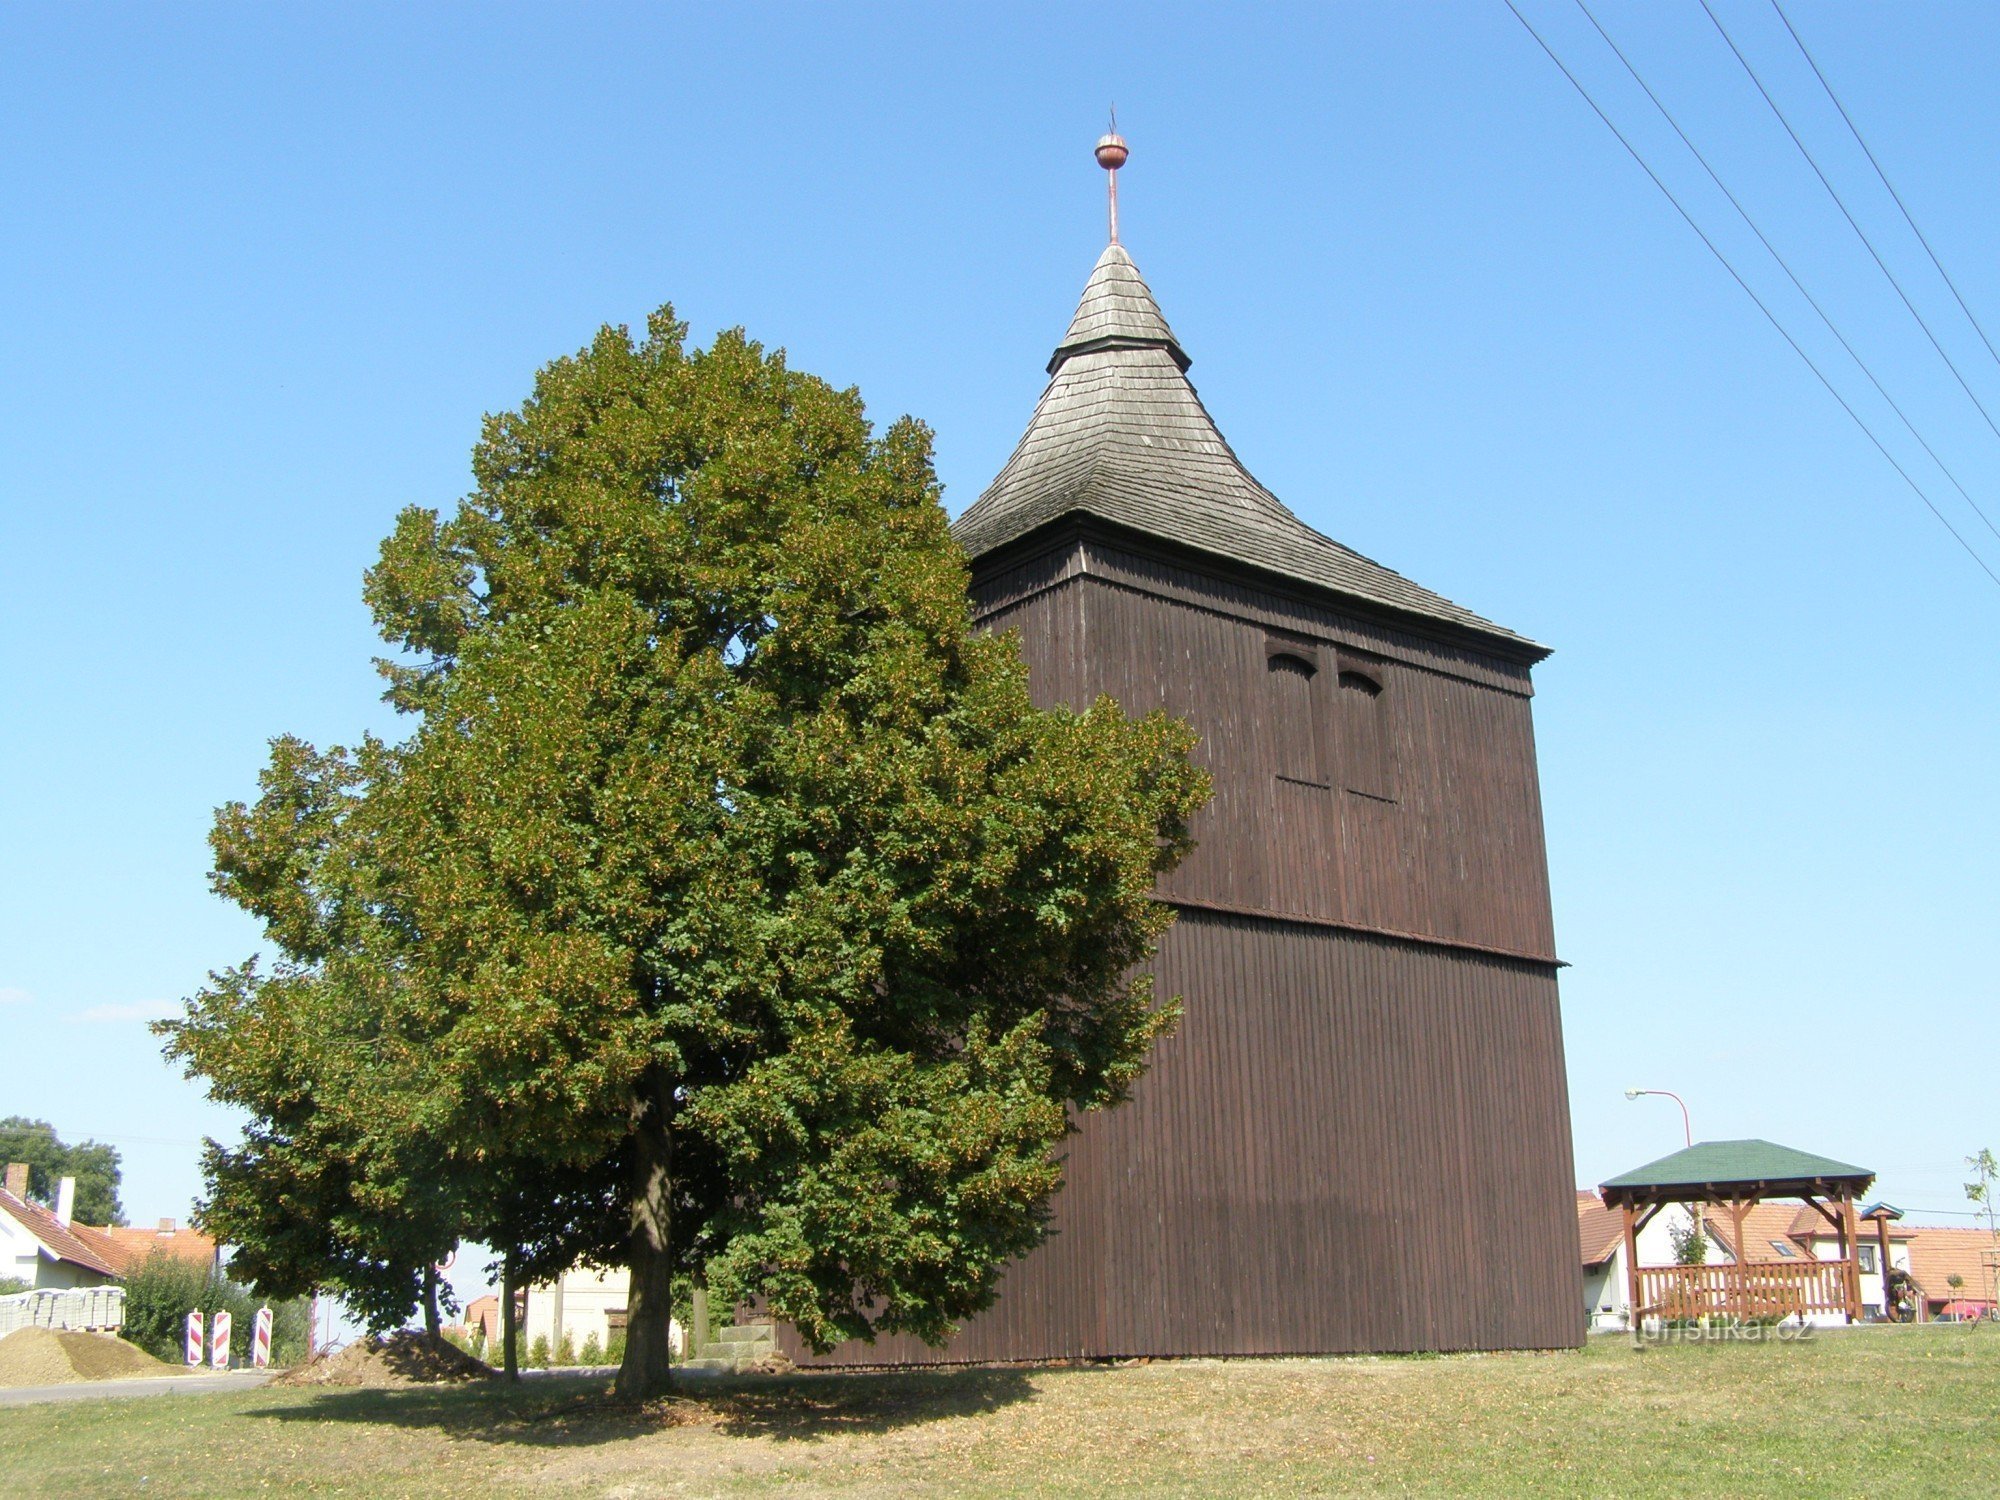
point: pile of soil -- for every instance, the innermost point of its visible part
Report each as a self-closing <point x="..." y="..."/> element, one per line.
<point x="48" y="1356"/>
<point x="405" y="1358"/>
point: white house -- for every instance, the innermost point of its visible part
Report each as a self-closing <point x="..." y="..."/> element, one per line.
<point x="1774" y="1233"/>
<point x="1606" y="1302"/>
<point x="37" y="1245"/>
<point x="583" y="1302"/>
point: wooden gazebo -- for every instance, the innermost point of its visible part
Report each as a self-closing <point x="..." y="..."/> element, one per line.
<point x="1732" y="1177"/>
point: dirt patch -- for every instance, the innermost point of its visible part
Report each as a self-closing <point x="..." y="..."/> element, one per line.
<point x="47" y="1356"/>
<point x="400" y="1359"/>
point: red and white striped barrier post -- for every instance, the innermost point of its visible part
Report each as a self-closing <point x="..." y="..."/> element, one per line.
<point x="194" y="1340"/>
<point x="260" y="1339"/>
<point x="219" y="1342"/>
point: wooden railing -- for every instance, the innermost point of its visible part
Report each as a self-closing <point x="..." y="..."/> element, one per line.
<point x="1762" y="1289"/>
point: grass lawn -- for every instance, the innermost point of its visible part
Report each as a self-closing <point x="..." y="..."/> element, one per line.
<point x="1904" y="1411"/>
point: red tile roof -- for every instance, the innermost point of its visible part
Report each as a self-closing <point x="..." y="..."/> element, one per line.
<point x="483" y="1313"/>
<point x="1784" y="1221"/>
<point x="1599" y="1228"/>
<point x="56" y="1239"/>
<point x="124" y="1248"/>
<point x="1936" y="1254"/>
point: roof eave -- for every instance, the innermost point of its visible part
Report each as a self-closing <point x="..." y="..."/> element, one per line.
<point x="1500" y="642"/>
<point x="1638" y="1194"/>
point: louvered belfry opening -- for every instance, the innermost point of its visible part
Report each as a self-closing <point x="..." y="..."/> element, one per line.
<point x="1359" y="1137"/>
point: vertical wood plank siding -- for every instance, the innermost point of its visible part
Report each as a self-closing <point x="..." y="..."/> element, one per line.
<point x="1351" y="1144"/>
<point x="1359" y="1138"/>
<point x="1457" y="855"/>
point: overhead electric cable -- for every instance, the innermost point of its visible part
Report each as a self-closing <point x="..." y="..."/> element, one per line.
<point x="1853" y="223"/>
<point x="1737" y="277"/>
<point x="1908" y="217"/>
<point x="1786" y="267"/>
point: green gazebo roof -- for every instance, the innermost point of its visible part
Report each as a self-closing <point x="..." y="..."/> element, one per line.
<point x="1747" y="1168"/>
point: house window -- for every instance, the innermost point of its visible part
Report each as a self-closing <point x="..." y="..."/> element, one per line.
<point x="1784" y="1249"/>
<point x="1865" y="1254"/>
<point x="614" y="1319"/>
<point x="1364" y="729"/>
<point x="1293" y="673"/>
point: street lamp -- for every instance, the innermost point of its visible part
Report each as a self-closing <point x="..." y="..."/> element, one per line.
<point x="1687" y="1133"/>
<point x="1687" y="1128"/>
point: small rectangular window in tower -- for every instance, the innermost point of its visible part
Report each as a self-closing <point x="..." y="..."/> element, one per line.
<point x="1293" y="672"/>
<point x="1363" y="714"/>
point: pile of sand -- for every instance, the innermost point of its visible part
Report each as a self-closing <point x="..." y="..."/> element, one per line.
<point x="406" y="1358"/>
<point x="46" y="1356"/>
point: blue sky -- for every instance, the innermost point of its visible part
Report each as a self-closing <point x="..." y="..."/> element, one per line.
<point x="263" y="268"/>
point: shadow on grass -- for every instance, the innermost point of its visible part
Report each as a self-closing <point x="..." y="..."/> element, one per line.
<point x="552" y="1413"/>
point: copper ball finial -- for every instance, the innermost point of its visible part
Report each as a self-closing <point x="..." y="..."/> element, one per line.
<point x="1112" y="152"/>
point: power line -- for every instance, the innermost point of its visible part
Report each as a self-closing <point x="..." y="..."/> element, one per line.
<point x="1852" y="222"/>
<point x="1908" y="218"/>
<point x="1737" y="277"/>
<point x="1786" y="267"/>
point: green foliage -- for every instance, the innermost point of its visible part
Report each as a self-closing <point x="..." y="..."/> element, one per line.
<point x="565" y="1351"/>
<point x="1689" y="1242"/>
<point x="93" y="1165"/>
<point x="538" y="1352"/>
<point x="9" y="1285"/>
<point x="730" y="907"/>
<point x="1980" y="1190"/>
<point x="162" y="1289"/>
<point x="593" y="1350"/>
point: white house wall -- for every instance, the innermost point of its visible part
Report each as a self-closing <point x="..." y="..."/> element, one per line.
<point x="20" y="1253"/>
<point x="580" y="1305"/>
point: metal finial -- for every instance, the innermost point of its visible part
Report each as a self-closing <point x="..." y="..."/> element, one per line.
<point x="1112" y="153"/>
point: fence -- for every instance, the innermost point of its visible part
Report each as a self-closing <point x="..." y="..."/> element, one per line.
<point x="90" y="1307"/>
<point x="1758" y="1290"/>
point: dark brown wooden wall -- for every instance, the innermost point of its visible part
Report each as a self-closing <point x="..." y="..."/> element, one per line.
<point x="1359" y="1139"/>
<point x="1455" y="850"/>
<point x="1352" y="1144"/>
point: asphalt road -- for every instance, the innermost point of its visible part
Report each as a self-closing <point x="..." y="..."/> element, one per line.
<point x="145" y="1385"/>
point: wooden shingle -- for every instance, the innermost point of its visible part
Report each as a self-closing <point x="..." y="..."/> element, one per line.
<point x="1121" y="435"/>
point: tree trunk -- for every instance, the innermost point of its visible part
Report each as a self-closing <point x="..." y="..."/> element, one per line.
<point x="510" y="1332"/>
<point x="649" y="1309"/>
<point x="433" y="1323"/>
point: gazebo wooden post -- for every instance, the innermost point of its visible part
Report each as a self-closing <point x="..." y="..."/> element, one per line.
<point x="1850" y="1234"/>
<point x="1631" y="1267"/>
<point x="1740" y="1280"/>
<point x="1882" y="1264"/>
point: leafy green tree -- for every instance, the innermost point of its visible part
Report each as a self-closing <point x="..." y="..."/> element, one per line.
<point x="338" y="1183"/>
<point x="93" y="1165"/>
<point x="1981" y="1191"/>
<point x="1689" y="1241"/>
<point x="725" y="857"/>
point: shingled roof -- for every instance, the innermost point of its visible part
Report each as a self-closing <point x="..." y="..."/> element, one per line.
<point x="1121" y="435"/>
<point x="1770" y="1169"/>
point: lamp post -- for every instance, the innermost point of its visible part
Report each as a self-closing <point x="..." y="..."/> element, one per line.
<point x="1687" y="1134"/>
<point x="1687" y="1127"/>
